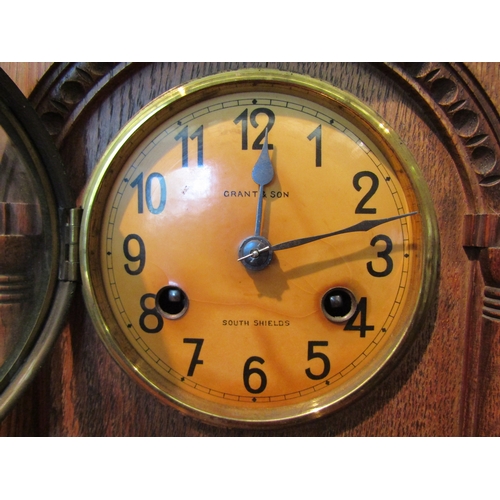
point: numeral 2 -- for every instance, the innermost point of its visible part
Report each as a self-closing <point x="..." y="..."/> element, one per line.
<point x="361" y="209"/>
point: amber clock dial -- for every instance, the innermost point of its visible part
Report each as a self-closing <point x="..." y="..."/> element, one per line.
<point x="258" y="248"/>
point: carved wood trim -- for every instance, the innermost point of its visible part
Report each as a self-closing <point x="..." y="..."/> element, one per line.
<point x="471" y="125"/>
<point x="459" y="107"/>
<point x="67" y="89"/>
<point x="481" y="230"/>
<point x="465" y="114"/>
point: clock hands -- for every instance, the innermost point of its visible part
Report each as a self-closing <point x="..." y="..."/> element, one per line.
<point x="259" y="249"/>
<point x="256" y="251"/>
<point x="365" y="225"/>
<point x="262" y="174"/>
<point x="251" y="250"/>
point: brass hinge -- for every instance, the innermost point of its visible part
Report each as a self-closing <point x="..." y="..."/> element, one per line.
<point x="70" y="266"/>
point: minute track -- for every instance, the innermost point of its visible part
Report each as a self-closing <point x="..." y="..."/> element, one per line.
<point x="172" y="228"/>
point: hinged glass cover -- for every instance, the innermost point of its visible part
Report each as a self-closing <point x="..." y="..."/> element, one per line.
<point x="31" y="202"/>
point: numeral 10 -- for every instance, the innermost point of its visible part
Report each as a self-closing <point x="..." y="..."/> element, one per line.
<point x="152" y="179"/>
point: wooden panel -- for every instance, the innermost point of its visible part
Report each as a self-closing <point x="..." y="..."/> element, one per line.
<point x="25" y="75"/>
<point x="445" y="385"/>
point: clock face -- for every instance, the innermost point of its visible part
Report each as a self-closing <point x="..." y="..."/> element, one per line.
<point x="185" y="273"/>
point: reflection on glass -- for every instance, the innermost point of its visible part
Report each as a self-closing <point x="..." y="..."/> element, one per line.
<point x="22" y="267"/>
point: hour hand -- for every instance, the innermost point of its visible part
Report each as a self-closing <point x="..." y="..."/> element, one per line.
<point x="262" y="174"/>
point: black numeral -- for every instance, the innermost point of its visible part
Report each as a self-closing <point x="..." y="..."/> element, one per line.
<point x="196" y="355"/>
<point x="361" y="209"/>
<point x="152" y="179"/>
<point x="140" y="257"/>
<point x="383" y="254"/>
<point x="150" y="311"/>
<point x="183" y="136"/>
<point x="311" y="354"/>
<point x="243" y="119"/>
<point x="362" y="328"/>
<point x="257" y="372"/>
<point x="316" y="134"/>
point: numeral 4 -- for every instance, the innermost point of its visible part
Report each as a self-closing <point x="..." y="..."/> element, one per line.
<point x="360" y="313"/>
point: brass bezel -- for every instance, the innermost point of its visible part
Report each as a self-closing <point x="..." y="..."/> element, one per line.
<point x="166" y="106"/>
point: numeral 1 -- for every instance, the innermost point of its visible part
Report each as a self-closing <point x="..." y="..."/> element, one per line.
<point x="316" y="134"/>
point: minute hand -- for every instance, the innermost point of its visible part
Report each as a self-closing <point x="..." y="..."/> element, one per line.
<point x="365" y="225"/>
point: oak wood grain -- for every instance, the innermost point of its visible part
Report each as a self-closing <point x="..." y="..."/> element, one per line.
<point x="25" y="75"/>
<point x="447" y="383"/>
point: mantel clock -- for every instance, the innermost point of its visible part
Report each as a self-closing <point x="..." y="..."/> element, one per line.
<point x="255" y="248"/>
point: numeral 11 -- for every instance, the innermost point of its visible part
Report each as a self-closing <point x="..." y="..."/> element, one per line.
<point x="183" y="136"/>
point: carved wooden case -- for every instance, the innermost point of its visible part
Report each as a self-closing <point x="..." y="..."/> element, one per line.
<point x="449" y="381"/>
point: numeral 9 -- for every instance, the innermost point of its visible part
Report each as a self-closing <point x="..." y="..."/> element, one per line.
<point x="139" y="257"/>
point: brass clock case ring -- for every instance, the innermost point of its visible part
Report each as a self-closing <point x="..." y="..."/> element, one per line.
<point x="256" y="206"/>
